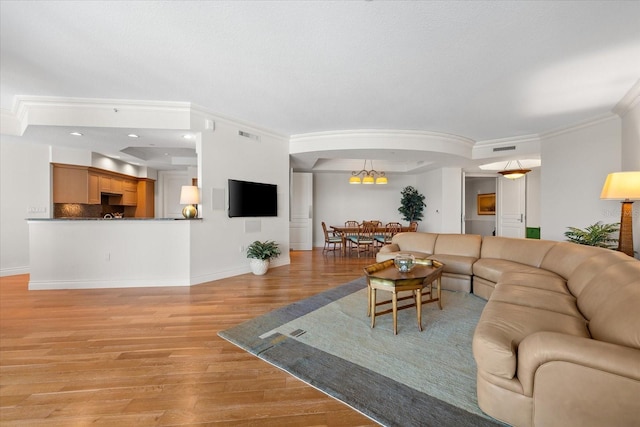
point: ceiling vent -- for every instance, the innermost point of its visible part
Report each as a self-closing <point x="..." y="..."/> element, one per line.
<point x="248" y="135"/>
<point x="509" y="148"/>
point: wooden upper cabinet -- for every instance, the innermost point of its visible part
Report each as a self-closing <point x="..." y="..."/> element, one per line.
<point x="85" y="185"/>
<point x="70" y="184"/>
<point x="94" y="189"/>
<point x="146" y="198"/>
<point x="116" y="185"/>
<point x="129" y="192"/>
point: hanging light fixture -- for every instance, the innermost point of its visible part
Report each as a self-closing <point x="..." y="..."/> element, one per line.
<point x="370" y="176"/>
<point x="514" y="173"/>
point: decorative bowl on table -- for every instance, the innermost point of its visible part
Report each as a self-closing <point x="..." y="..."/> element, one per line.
<point x="404" y="262"/>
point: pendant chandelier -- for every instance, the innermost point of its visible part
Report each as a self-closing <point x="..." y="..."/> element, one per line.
<point x="514" y="173"/>
<point x="370" y="176"/>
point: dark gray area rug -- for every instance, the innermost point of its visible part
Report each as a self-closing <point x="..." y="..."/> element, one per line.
<point x="414" y="378"/>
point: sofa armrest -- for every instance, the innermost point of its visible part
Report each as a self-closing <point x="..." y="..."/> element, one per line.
<point x="393" y="247"/>
<point x="542" y="348"/>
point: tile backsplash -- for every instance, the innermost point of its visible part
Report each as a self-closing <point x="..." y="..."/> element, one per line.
<point x="77" y="210"/>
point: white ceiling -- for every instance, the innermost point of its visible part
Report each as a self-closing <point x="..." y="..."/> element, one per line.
<point x="481" y="70"/>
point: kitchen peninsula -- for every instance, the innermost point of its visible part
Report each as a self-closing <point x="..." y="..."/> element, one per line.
<point x="110" y="253"/>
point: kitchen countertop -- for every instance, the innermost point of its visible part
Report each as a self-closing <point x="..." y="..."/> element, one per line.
<point x="111" y="219"/>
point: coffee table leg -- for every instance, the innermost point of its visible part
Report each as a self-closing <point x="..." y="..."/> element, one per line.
<point x="418" y="293"/>
<point x="368" y="300"/>
<point x="439" y="294"/>
<point x="395" y="313"/>
<point x="372" y="306"/>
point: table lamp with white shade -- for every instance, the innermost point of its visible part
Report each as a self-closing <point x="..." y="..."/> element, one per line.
<point x="623" y="186"/>
<point x="190" y="196"/>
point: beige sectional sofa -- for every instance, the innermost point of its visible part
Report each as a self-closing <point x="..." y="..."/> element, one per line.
<point x="558" y="342"/>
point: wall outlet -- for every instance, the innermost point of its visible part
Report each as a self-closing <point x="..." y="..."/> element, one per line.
<point x="35" y="209"/>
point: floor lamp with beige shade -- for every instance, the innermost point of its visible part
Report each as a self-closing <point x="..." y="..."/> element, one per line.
<point x="623" y="186"/>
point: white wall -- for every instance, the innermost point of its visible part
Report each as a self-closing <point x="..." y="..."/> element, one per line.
<point x="218" y="246"/>
<point x="533" y="198"/>
<point x="24" y="188"/>
<point x="576" y="163"/>
<point x="443" y="195"/>
<point x="631" y="160"/>
<point x="336" y="201"/>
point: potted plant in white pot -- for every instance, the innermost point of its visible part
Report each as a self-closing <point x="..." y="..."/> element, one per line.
<point x="260" y="255"/>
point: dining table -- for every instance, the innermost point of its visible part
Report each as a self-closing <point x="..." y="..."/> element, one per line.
<point x="346" y="231"/>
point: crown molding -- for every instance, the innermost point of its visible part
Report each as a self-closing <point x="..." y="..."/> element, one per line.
<point x="628" y="101"/>
<point x="377" y="139"/>
<point x="203" y="113"/>
<point x="585" y="124"/>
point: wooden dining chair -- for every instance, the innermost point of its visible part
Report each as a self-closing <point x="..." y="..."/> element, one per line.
<point x="390" y="230"/>
<point x="363" y="241"/>
<point x="354" y="227"/>
<point x="331" y="238"/>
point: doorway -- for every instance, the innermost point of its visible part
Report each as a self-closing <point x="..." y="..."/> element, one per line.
<point x="479" y="214"/>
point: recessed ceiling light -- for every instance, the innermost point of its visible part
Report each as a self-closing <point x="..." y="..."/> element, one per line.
<point x="133" y="135"/>
<point x="75" y="134"/>
<point x="187" y="136"/>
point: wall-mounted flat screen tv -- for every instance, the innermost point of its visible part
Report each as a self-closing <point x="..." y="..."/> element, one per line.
<point x="252" y="199"/>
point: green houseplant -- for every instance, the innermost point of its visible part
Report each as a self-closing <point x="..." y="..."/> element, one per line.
<point x="260" y="255"/>
<point x="411" y="204"/>
<point x="594" y="235"/>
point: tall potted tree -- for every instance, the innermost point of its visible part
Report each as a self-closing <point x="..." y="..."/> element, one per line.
<point x="260" y="255"/>
<point x="411" y="204"/>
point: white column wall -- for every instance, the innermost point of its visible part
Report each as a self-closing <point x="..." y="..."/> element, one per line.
<point x="218" y="244"/>
<point x="576" y="163"/>
<point x="24" y="192"/>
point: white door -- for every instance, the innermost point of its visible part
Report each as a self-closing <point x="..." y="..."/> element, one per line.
<point x="170" y="183"/>
<point x="301" y="222"/>
<point x="511" y="205"/>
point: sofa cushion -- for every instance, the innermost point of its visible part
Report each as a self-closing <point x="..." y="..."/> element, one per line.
<point x="536" y="280"/>
<point x="502" y="326"/>
<point x="467" y="245"/>
<point x="524" y="251"/>
<point x="455" y="263"/>
<point x="492" y="268"/>
<point x="538" y="298"/>
<point x="564" y="257"/>
<point x="605" y="284"/>
<point x="617" y="319"/>
<point x="419" y="242"/>
<point x="592" y="267"/>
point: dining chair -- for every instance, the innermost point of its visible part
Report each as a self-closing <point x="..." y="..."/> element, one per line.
<point x="354" y="227"/>
<point x="331" y="238"/>
<point x="390" y="230"/>
<point x="363" y="241"/>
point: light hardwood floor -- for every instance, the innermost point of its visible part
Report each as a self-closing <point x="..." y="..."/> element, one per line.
<point x="152" y="356"/>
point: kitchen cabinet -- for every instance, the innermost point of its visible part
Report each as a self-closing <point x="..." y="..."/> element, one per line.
<point x="70" y="184"/>
<point x="129" y="192"/>
<point x="116" y="185"/>
<point x="146" y="198"/>
<point x="87" y="185"/>
<point x="94" y="189"/>
<point x="105" y="183"/>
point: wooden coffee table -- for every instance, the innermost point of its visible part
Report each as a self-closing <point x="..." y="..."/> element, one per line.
<point x="386" y="277"/>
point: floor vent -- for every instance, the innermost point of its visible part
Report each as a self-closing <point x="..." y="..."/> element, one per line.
<point x="509" y="148"/>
